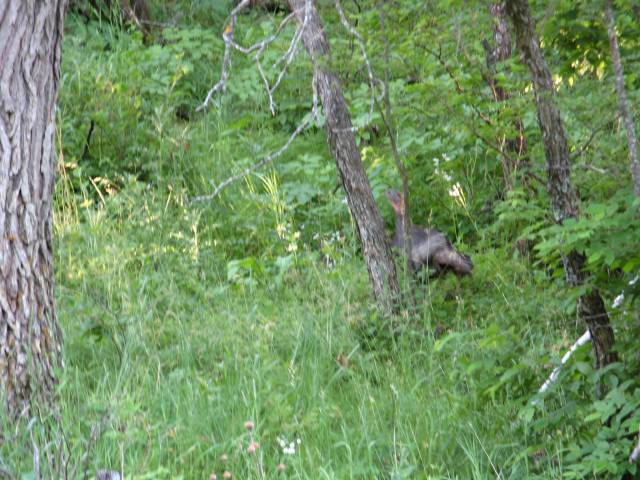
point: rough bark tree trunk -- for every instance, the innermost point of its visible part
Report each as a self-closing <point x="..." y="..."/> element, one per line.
<point x="563" y="199"/>
<point x="499" y="52"/>
<point x="30" y="340"/>
<point x="375" y="248"/>
<point x="625" y="110"/>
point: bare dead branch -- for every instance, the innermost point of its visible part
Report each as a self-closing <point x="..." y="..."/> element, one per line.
<point x="253" y="167"/>
<point x="586" y="336"/>
<point x="259" y="48"/>
<point x="285" y="60"/>
<point x="264" y="43"/>
<point x="292" y="48"/>
<point x="227" y="36"/>
<point x="290" y="54"/>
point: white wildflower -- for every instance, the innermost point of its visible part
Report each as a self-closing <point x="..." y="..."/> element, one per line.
<point x="288" y="448"/>
<point x="456" y="191"/>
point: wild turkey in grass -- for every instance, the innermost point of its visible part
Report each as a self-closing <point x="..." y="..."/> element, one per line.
<point x="429" y="248"/>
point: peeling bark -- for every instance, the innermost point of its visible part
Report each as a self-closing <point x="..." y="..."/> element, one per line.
<point x="625" y="110"/>
<point x="564" y="203"/>
<point x="30" y="340"/>
<point x="342" y="142"/>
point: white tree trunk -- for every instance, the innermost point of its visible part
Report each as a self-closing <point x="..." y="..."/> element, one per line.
<point x="30" y="341"/>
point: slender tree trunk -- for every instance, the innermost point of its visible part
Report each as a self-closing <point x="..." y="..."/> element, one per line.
<point x="30" y="341"/>
<point x="376" y="250"/>
<point x="499" y="52"/>
<point x="625" y="110"/>
<point x="390" y="125"/>
<point x="563" y="199"/>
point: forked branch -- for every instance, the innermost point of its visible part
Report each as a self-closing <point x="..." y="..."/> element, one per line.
<point x="283" y="63"/>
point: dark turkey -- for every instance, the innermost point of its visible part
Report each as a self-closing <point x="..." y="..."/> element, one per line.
<point x="429" y="247"/>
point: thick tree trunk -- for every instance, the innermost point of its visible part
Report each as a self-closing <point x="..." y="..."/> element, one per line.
<point x="499" y="52"/>
<point x="376" y="250"/>
<point x="563" y="199"/>
<point x="30" y="341"/>
<point x="625" y="110"/>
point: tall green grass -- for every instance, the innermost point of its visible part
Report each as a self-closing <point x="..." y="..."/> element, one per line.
<point x="170" y="359"/>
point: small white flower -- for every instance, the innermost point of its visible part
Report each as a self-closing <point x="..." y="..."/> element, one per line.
<point x="455" y="191"/>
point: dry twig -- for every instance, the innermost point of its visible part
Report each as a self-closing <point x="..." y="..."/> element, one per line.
<point x="283" y="64"/>
<point x="586" y="336"/>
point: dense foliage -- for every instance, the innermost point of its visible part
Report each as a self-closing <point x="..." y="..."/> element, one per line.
<point x="183" y="320"/>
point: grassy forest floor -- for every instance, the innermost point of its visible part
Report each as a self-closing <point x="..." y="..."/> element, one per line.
<point x="183" y="321"/>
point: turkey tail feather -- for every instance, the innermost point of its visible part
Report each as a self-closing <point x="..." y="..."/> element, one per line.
<point x="450" y="258"/>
